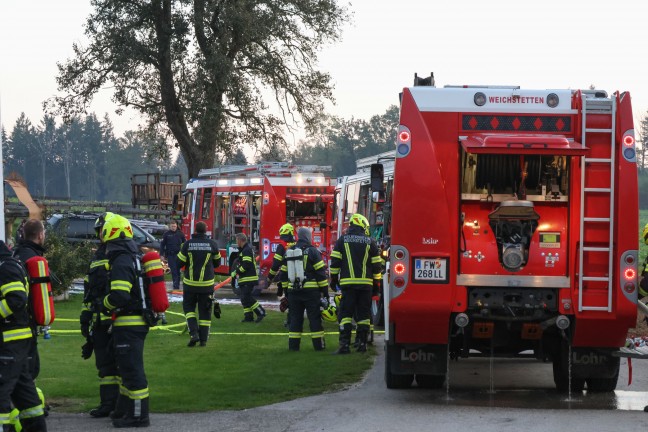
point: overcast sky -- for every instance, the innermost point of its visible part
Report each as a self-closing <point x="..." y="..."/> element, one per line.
<point x="546" y="44"/>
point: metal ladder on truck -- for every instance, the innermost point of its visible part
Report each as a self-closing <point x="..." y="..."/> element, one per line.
<point x="605" y="106"/>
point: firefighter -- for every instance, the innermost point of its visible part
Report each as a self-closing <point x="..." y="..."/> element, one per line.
<point x="246" y="272"/>
<point x="305" y="294"/>
<point x="32" y="245"/>
<point x="199" y="256"/>
<point x="96" y="327"/>
<point x="16" y="383"/>
<point x="277" y="272"/>
<point x="357" y="267"/>
<point x="126" y="301"/>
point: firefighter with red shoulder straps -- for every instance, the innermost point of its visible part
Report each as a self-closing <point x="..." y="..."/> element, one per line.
<point x="17" y="385"/>
<point x="96" y="327"/>
<point x="356" y="266"/>
<point x="307" y="284"/>
<point x="287" y="237"/>
<point x="199" y="256"/>
<point x="31" y="246"/>
<point x="246" y="272"/>
<point x="126" y="301"/>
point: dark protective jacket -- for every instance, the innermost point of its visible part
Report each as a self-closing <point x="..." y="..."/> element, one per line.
<point x="314" y="267"/>
<point x="355" y="260"/>
<point x="96" y="286"/>
<point x="246" y="268"/>
<point x="171" y="243"/>
<point x="28" y="249"/>
<point x="125" y="297"/>
<point x="200" y="256"/>
<point x="14" y="322"/>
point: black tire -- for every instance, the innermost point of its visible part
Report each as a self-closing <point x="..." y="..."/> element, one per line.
<point x="430" y="381"/>
<point x="378" y="312"/>
<point x="561" y="378"/>
<point x="394" y="381"/>
<point x="605" y="385"/>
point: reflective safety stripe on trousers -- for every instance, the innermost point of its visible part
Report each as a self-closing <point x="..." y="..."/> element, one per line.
<point x="129" y="320"/>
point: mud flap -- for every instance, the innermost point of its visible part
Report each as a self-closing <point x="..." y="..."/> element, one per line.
<point x="592" y="363"/>
<point x="418" y="359"/>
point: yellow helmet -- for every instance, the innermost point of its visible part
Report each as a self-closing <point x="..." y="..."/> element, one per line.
<point x="101" y="220"/>
<point x="645" y="234"/>
<point x="116" y="227"/>
<point x="287" y="229"/>
<point x="358" y="220"/>
<point x="330" y="314"/>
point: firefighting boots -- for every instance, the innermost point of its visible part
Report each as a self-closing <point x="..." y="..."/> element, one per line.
<point x="248" y="317"/>
<point x="293" y="343"/>
<point x="318" y="344"/>
<point x="362" y="333"/>
<point x="204" y="335"/>
<point x="108" y="394"/>
<point x="260" y="312"/>
<point x="194" y="339"/>
<point x="137" y="415"/>
<point x="120" y="407"/>
<point x="345" y="339"/>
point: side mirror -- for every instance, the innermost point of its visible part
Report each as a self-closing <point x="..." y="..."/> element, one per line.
<point x="377" y="177"/>
<point x="378" y="197"/>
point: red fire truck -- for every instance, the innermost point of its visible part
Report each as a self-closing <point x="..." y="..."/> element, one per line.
<point x="256" y="200"/>
<point x="514" y="231"/>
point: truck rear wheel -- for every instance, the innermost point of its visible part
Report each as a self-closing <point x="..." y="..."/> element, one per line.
<point x="561" y="378"/>
<point x="392" y="380"/>
<point x="604" y="385"/>
<point x="430" y="381"/>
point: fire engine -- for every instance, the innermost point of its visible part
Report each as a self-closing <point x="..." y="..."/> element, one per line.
<point x="356" y="194"/>
<point x="514" y="232"/>
<point x="256" y="200"/>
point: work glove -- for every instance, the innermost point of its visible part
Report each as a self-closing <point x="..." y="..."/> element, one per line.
<point x="376" y="287"/>
<point x="233" y="274"/>
<point x="283" y="304"/>
<point x="85" y="330"/>
<point x="86" y="350"/>
<point x="217" y="310"/>
<point x="324" y="302"/>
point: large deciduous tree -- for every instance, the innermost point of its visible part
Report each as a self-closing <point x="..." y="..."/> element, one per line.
<point x="216" y="73"/>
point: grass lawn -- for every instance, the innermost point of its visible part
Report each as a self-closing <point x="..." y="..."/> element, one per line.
<point x="235" y="371"/>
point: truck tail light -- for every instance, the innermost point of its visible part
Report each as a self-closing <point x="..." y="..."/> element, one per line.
<point x="628" y="140"/>
<point x="399" y="282"/>
<point x="628" y="276"/>
<point x="399" y="268"/>
<point x="266" y="248"/>
<point x="403" y="142"/>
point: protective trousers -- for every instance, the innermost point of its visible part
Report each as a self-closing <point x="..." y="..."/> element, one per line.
<point x="17" y="386"/>
<point x="299" y="300"/>
<point x="174" y="266"/>
<point x="106" y="367"/>
<point x="134" y="392"/>
<point x="204" y="302"/>
<point x="356" y="302"/>
<point x="33" y="358"/>
<point x="250" y="305"/>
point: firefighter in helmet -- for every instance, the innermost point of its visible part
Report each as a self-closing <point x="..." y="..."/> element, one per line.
<point x="203" y="255"/>
<point x="126" y="300"/>
<point x="643" y="284"/>
<point x="16" y="383"/>
<point x="248" y="277"/>
<point x="356" y="266"/>
<point x="276" y="273"/>
<point x="95" y="287"/>
<point x="306" y="285"/>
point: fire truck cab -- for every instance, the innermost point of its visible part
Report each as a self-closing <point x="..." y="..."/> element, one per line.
<point x="257" y="200"/>
<point x="514" y="232"/>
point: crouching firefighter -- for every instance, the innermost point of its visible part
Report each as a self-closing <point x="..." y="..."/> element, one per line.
<point x="96" y="327"/>
<point x="16" y="383"/>
<point x="199" y="256"/>
<point x="306" y="274"/>
<point x="248" y="277"/>
<point x="126" y="301"/>
<point x="356" y="266"/>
